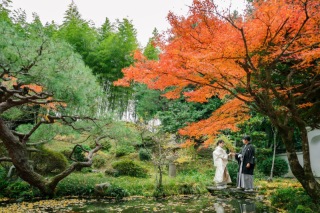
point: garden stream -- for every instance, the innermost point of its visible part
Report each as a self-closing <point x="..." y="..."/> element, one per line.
<point x="173" y="204"/>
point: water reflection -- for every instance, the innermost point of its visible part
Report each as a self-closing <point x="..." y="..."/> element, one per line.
<point x="177" y="205"/>
<point x="238" y="206"/>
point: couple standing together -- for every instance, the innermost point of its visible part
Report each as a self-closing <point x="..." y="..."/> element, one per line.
<point x="246" y="161"/>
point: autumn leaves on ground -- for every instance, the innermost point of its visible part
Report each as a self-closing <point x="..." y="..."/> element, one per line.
<point x="66" y="89"/>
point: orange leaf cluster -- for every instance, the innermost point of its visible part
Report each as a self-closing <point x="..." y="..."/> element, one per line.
<point x="34" y="89"/>
<point x="216" y="54"/>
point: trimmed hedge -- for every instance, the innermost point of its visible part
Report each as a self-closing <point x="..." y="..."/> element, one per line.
<point x="129" y="168"/>
<point x="280" y="167"/>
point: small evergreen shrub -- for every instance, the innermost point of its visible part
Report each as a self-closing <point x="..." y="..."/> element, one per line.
<point x="98" y="161"/>
<point x="159" y="192"/>
<point x="19" y="189"/>
<point x="129" y="168"/>
<point x="111" y="172"/>
<point x="144" y="155"/>
<point x="77" y="185"/>
<point x="290" y="199"/>
<point x="117" y="192"/>
<point x="79" y="154"/>
<point x="262" y="154"/>
<point x="280" y="167"/>
<point x="124" y="150"/>
<point x="233" y="171"/>
<point x="48" y="161"/>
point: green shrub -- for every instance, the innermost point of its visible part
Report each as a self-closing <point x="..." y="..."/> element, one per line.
<point x="290" y="198"/>
<point x="124" y="150"/>
<point x="3" y="180"/>
<point x="20" y="189"/>
<point x="117" y="192"/>
<point x="48" y="161"/>
<point x="129" y="168"/>
<point x="280" y="167"/>
<point x="262" y="154"/>
<point x="79" y="154"/>
<point x="159" y="192"/>
<point x="303" y="209"/>
<point x="98" y="161"/>
<point x="233" y="171"/>
<point x="77" y="184"/>
<point x="144" y="155"/>
<point x="86" y="170"/>
<point x="111" y="172"/>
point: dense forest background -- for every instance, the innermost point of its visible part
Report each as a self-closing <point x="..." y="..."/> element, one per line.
<point x="69" y="116"/>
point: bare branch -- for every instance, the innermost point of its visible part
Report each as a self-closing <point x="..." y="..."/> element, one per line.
<point x="296" y="35"/>
<point x="5" y="159"/>
<point x="55" y="180"/>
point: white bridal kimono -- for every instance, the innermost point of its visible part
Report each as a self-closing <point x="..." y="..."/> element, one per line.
<point x="220" y="160"/>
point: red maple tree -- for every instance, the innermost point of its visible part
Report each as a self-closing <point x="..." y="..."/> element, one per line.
<point x="267" y="59"/>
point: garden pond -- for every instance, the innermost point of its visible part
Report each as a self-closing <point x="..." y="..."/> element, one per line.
<point x="173" y="204"/>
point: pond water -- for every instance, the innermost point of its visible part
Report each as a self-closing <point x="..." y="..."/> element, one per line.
<point x="174" y="204"/>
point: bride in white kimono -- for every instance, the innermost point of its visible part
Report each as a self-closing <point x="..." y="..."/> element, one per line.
<point x="220" y="159"/>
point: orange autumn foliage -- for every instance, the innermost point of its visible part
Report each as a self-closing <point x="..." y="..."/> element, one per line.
<point x="217" y="54"/>
<point x="32" y="90"/>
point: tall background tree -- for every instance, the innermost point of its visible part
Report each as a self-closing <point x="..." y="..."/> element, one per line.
<point x="113" y="53"/>
<point x="77" y="32"/>
<point x="266" y="60"/>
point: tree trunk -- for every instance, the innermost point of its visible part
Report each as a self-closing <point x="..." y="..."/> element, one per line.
<point x="302" y="173"/>
<point x="159" y="186"/>
<point x="19" y="155"/>
<point x="275" y="132"/>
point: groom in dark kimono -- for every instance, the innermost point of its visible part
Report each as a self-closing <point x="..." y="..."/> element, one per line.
<point x="246" y="161"/>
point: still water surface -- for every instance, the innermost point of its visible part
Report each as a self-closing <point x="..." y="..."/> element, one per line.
<point x="182" y="204"/>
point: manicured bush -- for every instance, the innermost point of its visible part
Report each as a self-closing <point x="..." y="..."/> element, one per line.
<point x="130" y="168"/>
<point x="79" y="154"/>
<point x="20" y="189"/>
<point x="48" y="161"/>
<point x="111" y="172"/>
<point x="280" y="167"/>
<point x="98" y="161"/>
<point x="144" y="155"/>
<point x="261" y="154"/>
<point x="78" y="184"/>
<point x="124" y="150"/>
<point x="116" y="192"/>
